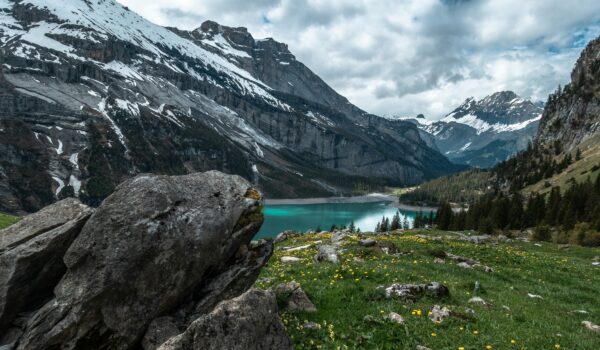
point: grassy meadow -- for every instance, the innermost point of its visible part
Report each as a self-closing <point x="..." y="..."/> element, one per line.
<point x="537" y="295"/>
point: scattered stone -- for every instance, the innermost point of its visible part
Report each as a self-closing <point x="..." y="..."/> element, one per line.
<point x="290" y="259"/>
<point x="437" y="313"/>
<point x="478" y="300"/>
<point x="294" y="297"/>
<point x="462" y="259"/>
<point x="564" y="246"/>
<point x="487" y="269"/>
<point x="302" y="247"/>
<point x="421" y="347"/>
<point x="367" y="242"/>
<point x="338" y="236"/>
<point x="579" y="312"/>
<point x="416" y="291"/>
<point x="592" y="327"/>
<point x="534" y="296"/>
<point x="439" y="261"/>
<point x="285" y="235"/>
<point x="596" y="263"/>
<point x="537" y="244"/>
<point x="396" y="318"/>
<point x="311" y="325"/>
<point x="358" y="260"/>
<point x="327" y="253"/>
<point x="464" y="265"/>
<point x="506" y="307"/>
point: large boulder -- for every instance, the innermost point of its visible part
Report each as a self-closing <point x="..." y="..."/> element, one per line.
<point x="155" y="244"/>
<point x="250" y="321"/>
<point x="31" y="254"/>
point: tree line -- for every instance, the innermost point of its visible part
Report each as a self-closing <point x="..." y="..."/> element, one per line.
<point x="574" y="215"/>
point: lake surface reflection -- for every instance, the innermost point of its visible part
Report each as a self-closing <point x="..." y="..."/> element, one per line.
<point x="305" y="217"/>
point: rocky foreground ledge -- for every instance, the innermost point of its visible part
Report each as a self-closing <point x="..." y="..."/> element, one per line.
<point x="166" y="262"/>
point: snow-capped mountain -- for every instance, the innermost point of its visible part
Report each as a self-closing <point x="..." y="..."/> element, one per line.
<point x="93" y="93"/>
<point x="485" y="132"/>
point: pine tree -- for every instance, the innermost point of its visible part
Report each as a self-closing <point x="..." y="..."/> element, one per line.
<point x="395" y="225"/>
<point x="578" y="155"/>
<point x="352" y="227"/>
<point x="405" y="224"/>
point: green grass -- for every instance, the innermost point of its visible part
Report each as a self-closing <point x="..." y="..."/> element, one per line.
<point x="346" y="293"/>
<point x="7" y="220"/>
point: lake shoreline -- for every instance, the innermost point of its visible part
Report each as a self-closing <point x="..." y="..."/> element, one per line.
<point x="370" y="198"/>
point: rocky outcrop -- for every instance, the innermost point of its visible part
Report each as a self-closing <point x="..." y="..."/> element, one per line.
<point x="155" y="258"/>
<point x="249" y="321"/>
<point x="572" y="114"/>
<point x="31" y="254"/>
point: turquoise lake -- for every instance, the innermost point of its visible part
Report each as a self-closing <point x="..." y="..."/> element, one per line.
<point x="305" y="217"/>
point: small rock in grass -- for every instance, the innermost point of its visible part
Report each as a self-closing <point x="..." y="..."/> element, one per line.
<point x="416" y="291"/>
<point x="293" y="249"/>
<point x="437" y="313"/>
<point x="477" y="300"/>
<point x="311" y="325"/>
<point x="290" y="259"/>
<point x="367" y="242"/>
<point x="285" y="235"/>
<point x="439" y="261"/>
<point x="564" y="246"/>
<point x="464" y="265"/>
<point x="327" y="253"/>
<point x="592" y="327"/>
<point x="506" y="307"/>
<point x="487" y="269"/>
<point x="534" y="296"/>
<point x="421" y="347"/>
<point x="396" y="318"/>
<point x="297" y="300"/>
<point x="596" y="263"/>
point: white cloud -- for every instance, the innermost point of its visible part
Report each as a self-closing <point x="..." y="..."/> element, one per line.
<point x="401" y="57"/>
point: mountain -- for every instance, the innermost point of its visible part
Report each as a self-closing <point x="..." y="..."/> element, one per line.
<point x="92" y="94"/>
<point x="572" y="114"/>
<point x="485" y="132"/>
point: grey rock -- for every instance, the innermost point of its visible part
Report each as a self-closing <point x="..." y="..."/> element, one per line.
<point x="437" y="313"/>
<point x="284" y="236"/>
<point x="248" y="322"/>
<point x="31" y="254"/>
<point x="327" y="253"/>
<point x="396" y="318"/>
<point x="416" y="291"/>
<point x="294" y="297"/>
<point x="421" y="347"/>
<point x="160" y="330"/>
<point x="150" y="245"/>
<point x="367" y="242"/>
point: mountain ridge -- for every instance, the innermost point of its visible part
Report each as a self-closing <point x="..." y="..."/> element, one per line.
<point x="96" y="94"/>
<point x="484" y="132"/>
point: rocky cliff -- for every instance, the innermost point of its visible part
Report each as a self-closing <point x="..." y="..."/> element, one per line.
<point x="572" y="114"/>
<point x="163" y="262"/>
<point x="92" y="94"/>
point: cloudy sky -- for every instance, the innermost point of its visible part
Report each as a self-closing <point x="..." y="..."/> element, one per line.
<point x="403" y="57"/>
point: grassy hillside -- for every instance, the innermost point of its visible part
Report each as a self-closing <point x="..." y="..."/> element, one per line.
<point x="580" y="170"/>
<point x="352" y="306"/>
<point x="7" y="220"/>
<point x="465" y="187"/>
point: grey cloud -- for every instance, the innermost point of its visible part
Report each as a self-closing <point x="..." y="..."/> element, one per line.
<point x="409" y="56"/>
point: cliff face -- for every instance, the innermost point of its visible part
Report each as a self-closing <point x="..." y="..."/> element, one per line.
<point x="572" y="114"/>
<point x="92" y="94"/>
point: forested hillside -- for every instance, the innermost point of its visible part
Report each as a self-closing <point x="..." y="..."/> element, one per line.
<point x="465" y="187"/>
